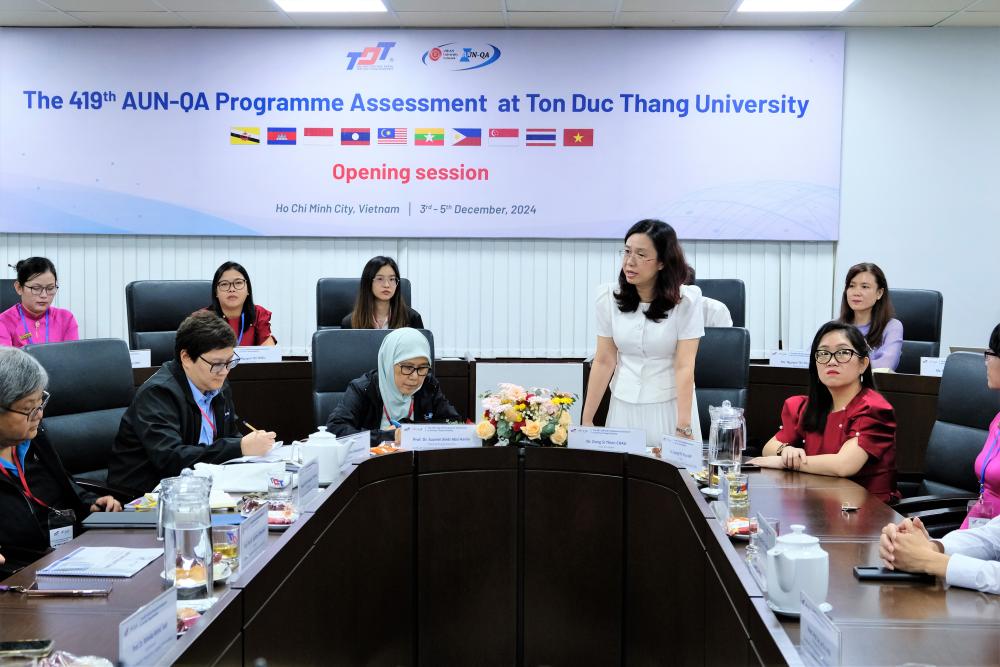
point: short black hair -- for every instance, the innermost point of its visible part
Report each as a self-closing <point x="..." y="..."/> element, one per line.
<point x="995" y="340"/>
<point x="201" y="333"/>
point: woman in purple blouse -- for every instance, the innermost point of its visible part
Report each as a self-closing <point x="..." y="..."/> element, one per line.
<point x="35" y="320"/>
<point x="866" y="305"/>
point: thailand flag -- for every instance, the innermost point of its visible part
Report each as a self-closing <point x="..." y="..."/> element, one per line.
<point x="540" y="137"/>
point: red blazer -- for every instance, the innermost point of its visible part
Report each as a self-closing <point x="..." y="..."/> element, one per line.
<point x="253" y="334"/>
<point x="870" y="419"/>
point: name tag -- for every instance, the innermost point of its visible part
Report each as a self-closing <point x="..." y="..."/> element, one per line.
<point x="933" y="366"/>
<point x="259" y="354"/>
<point x="141" y="358"/>
<point x="819" y="638"/>
<point x="61" y="535"/>
<point x="253" y="536"/>
<point x="419" y="437"/>
<point x="308" y="482"/>
<point x="682" y="452"/>
<point x="790" y="359"/>
<point x="145" y="637"/>
<point x="623" y="440"/>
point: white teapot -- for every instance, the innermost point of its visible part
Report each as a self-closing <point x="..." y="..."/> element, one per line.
<point x="795" y="564"/>
<point x="331" y="454"/>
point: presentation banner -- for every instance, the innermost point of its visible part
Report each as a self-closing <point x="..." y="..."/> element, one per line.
<point x="515" y="133"/>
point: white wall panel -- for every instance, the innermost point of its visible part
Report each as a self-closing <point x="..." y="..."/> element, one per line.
<point x="485" y="297"/>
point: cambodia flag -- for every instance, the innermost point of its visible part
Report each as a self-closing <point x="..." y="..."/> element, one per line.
<point x="281" y="136"/>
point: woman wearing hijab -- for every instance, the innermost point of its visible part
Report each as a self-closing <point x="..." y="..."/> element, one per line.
<point x="401" y="390"/>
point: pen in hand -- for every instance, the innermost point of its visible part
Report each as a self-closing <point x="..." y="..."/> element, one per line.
<point x="250" y="426"/>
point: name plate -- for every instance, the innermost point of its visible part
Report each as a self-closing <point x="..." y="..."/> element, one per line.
<point x="145" y="637"/>
<point x="623" y="440"/>
<point x="253" y="536"/>
<point x="682" y="452"/>
<point x="308" y="482"/>
<point x="259" y="354"/>
<point x="358" y="446"/>
<point x="141" y="358"/>
<point x="819" y="638"/>
<point x="419" y="437"/>
<point x="768" y="535"/>
<point x="790" y="359"/>
<point x="933" y="366"/>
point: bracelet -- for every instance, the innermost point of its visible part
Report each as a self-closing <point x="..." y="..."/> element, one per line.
<point x="780" y="449"/>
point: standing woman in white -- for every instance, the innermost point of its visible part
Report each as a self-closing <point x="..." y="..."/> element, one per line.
<point x="647" y="337"/>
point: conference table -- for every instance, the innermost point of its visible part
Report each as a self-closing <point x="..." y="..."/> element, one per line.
<point x="531" y="556"/>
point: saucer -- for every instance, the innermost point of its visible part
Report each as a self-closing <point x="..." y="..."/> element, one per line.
<point x="824" y="607"/>
<point x="711" y="492"/>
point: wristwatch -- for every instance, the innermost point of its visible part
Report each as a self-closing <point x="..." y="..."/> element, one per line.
<point x="687" y="431"/>
<point x="780" y="449"/>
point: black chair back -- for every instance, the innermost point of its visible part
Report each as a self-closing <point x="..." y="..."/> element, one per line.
<point x="920" y="311"/>
<point x="91" y="386"/>
<point x="335" y="299"/>
<point x="342" y="355"/>
<point x="730" y="291"/>
<point x="155" y="309"/>
<point x="966" y="406"/>
<point x="8" y="297"/>
<point x="721" y="371"/>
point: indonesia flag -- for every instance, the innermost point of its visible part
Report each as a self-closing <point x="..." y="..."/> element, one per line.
<point x="318" y="136"/>
<point x="540" y="137"/>
<point x="504" y="136"/>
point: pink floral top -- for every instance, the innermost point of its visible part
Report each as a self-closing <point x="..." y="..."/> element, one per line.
<point x="18" y="327"/>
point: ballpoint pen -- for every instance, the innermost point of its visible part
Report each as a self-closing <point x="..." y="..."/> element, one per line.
<point x="57" y="592"/>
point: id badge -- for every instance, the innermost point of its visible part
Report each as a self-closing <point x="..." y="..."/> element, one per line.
<point x="981" y="511"/>
<point x="61" y="526"/>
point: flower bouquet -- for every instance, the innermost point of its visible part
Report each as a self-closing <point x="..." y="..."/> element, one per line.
<point x="513" y="415"/>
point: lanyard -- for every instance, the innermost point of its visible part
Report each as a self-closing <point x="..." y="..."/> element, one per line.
<point x="27" y="331"/>
<point x="24" y="481"/>
<point x="239" y="339"/>
<point x="986" y="462"/>
<point x="389" y="419"/>
<point x="211" y="422"/>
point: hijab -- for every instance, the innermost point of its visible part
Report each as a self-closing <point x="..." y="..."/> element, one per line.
<point x="399" y="345"/>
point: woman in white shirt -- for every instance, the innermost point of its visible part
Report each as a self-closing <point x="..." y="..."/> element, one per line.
<point x="647" y="338"/>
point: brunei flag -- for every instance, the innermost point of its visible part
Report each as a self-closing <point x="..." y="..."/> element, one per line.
<point x="244" y="136"/>
<point x="428" y="136"/>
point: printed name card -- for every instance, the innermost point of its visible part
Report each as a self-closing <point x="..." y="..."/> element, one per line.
<point x="933" y="366"/>
<point x="357" y="448"/>
<point x="790" y="359"/>
<point x="768" y="534"/>
<point x="419" y="437"/>
<point x="682" y="452"/>
<point x="624" y="440"/>
<point x="141" y="358"/>
<point x="253" y="536"/>
<point x="819" y="638"/>
<point x="145" y="637"/>
<point x="259" y="354"/>
<point x="308" y="482"/>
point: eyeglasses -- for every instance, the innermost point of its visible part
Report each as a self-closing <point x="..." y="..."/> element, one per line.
<point x="407" y="369"/>
<point x="989" y="353"/>
<point x="842" y="356"/>
<point x="385" y="280"/>
<point x="38" y="289"/>
<point x="234" y="286"/>
<point x="218" y="366"/>
<point x="627" y="254"/>
<point x="33" y="412"/>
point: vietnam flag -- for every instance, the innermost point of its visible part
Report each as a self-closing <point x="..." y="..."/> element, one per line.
<point x="428" y="136"/>
<point x="578" y="137"/>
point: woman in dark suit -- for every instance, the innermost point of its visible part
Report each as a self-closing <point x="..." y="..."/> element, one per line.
<point x="379" y="304"/>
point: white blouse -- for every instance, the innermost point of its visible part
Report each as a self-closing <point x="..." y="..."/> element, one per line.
<point x="645" y="369"/>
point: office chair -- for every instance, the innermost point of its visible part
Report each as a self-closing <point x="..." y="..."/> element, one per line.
<point x="920" y="311"/>
<point x="721" y="371"/>
<point x="335" y="299"/>
<point x="730" y="291"/>
<point x="155" y="309"/>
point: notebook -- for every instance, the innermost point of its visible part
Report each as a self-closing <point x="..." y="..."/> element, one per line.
<point x="102" y="562"/>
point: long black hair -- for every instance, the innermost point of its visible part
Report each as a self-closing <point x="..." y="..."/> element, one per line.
<point x="34" y="266"/>
<point x="882" y="311"/>
<point x="363" y="315"/>
<point x="248" y="308"/>
<point x="820" y="400"/>
<point x="667" y="290"/>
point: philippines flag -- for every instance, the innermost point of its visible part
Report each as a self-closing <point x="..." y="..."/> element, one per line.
<point x="540" y="137"/>
<point x="578" y="137"/>
<point x="504" y="136"/>
<point x="392" y="135"/>
<point x="467" y="136"/>
<point x="281" y="136"/>
<point x="318" y="136"/>
<point x="355" y="136"/>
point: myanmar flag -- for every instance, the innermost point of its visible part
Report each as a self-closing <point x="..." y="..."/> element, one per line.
<point x="428" y="136"/>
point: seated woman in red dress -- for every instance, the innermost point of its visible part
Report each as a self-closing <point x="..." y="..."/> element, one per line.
<point x="843" y="428"/>
<point x="232" y="300"/>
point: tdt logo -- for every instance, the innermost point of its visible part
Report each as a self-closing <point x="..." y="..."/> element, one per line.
<point x="371" y="57"/>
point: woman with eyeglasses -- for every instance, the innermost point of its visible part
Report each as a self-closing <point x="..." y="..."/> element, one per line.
<point x="648" y="331"/>
<point x="34" y="486"/>
<point x="232" y="300"/>
<point x="401" y="390"/>
<point x="380" y="304"/>
<point x="184" y="414"/>
<point x="843" y="428"/>
<point x="35" y="320"/>
<point x="866" y="304"/>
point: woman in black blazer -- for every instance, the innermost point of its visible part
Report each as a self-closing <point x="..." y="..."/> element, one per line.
<point x="379" y="304"/>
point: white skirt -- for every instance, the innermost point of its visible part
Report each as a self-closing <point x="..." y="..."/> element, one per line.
<point x="657" y="419"/>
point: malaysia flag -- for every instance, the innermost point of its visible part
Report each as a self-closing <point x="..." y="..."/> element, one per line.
<point x="392" y="135"/>
<point x="355" y="136"/>
<point x="578" y="137"/>
<point x="467" y="136"/>
<point x="504" y="136"/>
<point x="540" y="137"/>
<point x="281" y="136"/>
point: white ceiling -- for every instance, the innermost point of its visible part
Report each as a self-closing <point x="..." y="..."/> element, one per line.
<point x="489" y="14"/>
